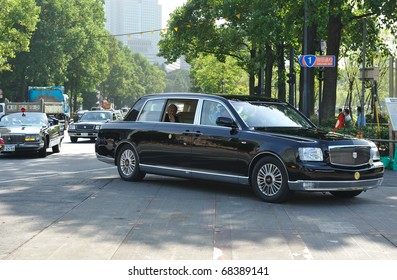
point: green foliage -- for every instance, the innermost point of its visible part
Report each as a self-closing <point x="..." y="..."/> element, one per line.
<point x="211" y="76"/>
<point x="71" y="47"/>
<point x="18" y="19"/>
<point x="233" y="28"/>
<point x="178" y="81"/>
<point x="151" y="77"/>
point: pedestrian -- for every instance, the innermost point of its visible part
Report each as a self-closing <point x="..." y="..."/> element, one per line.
<point x="340" y="121"/>
<point x="348" y="118"/>
<point x="363" y="121"/>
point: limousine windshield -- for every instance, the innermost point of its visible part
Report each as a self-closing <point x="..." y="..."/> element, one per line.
<point x="260" y="114"/>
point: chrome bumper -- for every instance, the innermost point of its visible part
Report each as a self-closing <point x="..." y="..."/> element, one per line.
<point x="326" y="186"/>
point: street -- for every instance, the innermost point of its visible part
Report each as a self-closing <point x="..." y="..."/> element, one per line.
<point x="70" y="206"/>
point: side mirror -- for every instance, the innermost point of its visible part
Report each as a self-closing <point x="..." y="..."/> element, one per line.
<point x="224" y="121"/>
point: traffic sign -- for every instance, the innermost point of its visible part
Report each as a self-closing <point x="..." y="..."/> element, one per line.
<point x="317" y="61"/>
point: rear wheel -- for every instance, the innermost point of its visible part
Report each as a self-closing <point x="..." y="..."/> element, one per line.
<point x="269" y="180"/>
<point x="128" y="164"/>
<point x="346" y="194"/>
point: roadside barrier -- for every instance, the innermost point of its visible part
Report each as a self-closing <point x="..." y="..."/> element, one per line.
<point x="388" y="162"/>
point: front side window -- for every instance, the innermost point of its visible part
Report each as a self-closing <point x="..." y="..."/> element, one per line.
<point x="152" y="111"/>
<point x="211" y="111"/>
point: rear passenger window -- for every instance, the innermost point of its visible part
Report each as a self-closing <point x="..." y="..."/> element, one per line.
<point x="186" y="109"/>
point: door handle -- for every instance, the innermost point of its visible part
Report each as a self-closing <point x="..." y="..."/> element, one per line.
<point x="196" y="133"/>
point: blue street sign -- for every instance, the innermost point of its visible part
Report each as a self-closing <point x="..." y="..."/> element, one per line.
<point x="317" y="61"/>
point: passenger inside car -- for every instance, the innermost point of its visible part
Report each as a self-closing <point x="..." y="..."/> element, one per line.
<point x="171" y="115"/>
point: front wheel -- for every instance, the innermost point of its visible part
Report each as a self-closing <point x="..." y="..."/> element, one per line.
<point x="43" y="151"/>
<point x="56" y="148"/>
<point x="270" y="181"/>
<point x="345" y="194"/>
<point x="128" y="165"/>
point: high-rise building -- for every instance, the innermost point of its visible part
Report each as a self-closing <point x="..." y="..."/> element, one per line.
<point x="136" y="23"/>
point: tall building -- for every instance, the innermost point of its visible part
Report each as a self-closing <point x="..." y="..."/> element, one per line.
<point x="136" y="24"/>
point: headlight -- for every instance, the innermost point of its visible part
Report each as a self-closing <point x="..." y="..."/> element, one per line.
<point x="375" y="152"/>
<point x="72" y="126"/>
<point x="98" y="127"/>
<point x="310" y="154"/>
<point x="32" y="137"/>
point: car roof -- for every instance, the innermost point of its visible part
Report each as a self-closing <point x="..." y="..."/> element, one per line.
<point x="216" y="96"/>
<point x="26" y="113"/>
<point x="99" y="111"/>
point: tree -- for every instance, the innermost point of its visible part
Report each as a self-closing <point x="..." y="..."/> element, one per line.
<point x="18" y="20"/>
<point x="150" y="77"/>
<point x="233" y="28"/>
<point x="341" y="16"/>
<point x="178" y="81"/>
<point x="88" y="64"/>
<point x="67" y="45"/>
<point x="211" y="76"/>
<point x="121" y="84"/>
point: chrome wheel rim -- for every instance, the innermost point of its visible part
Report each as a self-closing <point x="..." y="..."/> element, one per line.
<point x="127" y="162"/>
<point x="269" y="179"/>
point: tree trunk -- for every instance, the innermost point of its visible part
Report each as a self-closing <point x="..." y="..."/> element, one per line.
<point x="331" y="73"/>
<point x="252" y="83"/>
<point x="269" y="71"/>
<point x="252" y="74"/>
<point x="281" y="73"/>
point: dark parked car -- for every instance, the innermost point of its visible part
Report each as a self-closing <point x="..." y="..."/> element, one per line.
<point x="262" y="143"/>
<point x="89" y="124"/>
<point x="30" y="132"/>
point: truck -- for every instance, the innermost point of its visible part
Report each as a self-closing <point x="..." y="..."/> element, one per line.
<point x="50" y="95"/>
<point x="54" y="110"/>
<point x="41" y="106"/>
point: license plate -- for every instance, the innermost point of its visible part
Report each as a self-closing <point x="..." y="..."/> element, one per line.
<point x="9" y="148"/>
<point x="84" y="134"/>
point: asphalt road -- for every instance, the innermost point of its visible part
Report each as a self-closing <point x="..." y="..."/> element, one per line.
<point x="70" y="206"/>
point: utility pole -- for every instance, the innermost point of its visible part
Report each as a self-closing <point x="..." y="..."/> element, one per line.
<point x="305" y="97"/>
<point x="291" y="78"/>
<point x="391" y="77"/>
<point x="395" y="78"/>
<point x="363" y="73"/>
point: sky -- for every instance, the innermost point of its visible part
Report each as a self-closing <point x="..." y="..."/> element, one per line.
<point x="168" y="7"/>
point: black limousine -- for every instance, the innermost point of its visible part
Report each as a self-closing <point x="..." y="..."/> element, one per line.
<point x="263" y="143"/>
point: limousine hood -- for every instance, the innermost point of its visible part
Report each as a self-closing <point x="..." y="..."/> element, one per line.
<point x="19" y="130"/>
<point x="303" y="134"/>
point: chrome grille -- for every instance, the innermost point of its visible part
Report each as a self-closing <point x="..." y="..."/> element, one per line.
<point x="14" y="138"/>
<point x="349" y="155"/>
<point x="85" y="126"/>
